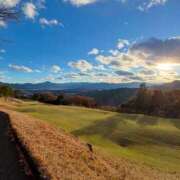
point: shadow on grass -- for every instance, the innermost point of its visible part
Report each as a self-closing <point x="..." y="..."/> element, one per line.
<point x="120" y="130"/>
<point x="176" y="123"/>
<point x="108" y="129"/>
<point x="142" y="119"/>
<point x="27" y="110"/>
<point x="9" y="162"/>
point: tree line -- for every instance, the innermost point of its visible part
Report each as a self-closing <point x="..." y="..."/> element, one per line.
<point x="154" y="102"/>
<point x="64" y="99"/>
<point x="146" y="101"/>
<point x="6" y="91"/>
<point x="49" y="97"/>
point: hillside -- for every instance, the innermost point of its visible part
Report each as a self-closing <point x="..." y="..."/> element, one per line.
<point x="150" y="140"/>
<point x="169" y="86"/>
<point x="59" y="155"/>
<point x="113" y="97"/>
<point x="62" y="156"/>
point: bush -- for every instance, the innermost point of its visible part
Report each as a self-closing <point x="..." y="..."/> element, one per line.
<point x="46" y="97"/>
<point x="6" y="91"/>
<point x="82" y="101"/>
<point x="62" y="99"/>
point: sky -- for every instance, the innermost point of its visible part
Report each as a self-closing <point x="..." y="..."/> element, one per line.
<point x="113" y="41"/>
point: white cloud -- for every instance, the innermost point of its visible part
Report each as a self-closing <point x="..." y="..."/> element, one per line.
<point x="114" y="52"/>
<point x="138" y="62"/>
<point x="156" y="50"/>
<point x="20" y="68"/>
<point x="93" y="51"/>
<point x="55" y="69"/>
<point x="71" y="75"/>
<point x="148" y="54"/>
<point x="122" y="43"/>
<point x="156" y="2"/>
<point x="30" y="10"/>
<point x="79" y="3"/>
<point x="51" y="22"/>
<point x="124" y="73"/>
<point x="9" y="3"/>
<point x="99" y="67"/>
<point x="151" y="3"/>
<point x="104" y="59"/>
<point x="2" y="24"/>
<point x="81" y="65"/>
<point x="121" y="60"/>
<point x="147" y="72"/>
<point x="37" y="71"/>
<point x="152" y="60"/>
<point x="145" y="5"/>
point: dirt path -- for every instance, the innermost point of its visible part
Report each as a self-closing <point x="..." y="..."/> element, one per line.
<point x="9" y="164"/>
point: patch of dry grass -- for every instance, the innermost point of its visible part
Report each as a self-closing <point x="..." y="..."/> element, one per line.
<point x="62" y="156"/>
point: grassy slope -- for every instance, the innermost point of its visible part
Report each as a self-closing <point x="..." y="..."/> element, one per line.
<point x="59" y="155"/>
<point x="150" y="140"/>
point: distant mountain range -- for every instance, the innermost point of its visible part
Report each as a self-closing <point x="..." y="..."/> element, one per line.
<point x="105" y="94"/>
<point x="87" y="86"/>
<point x="169" y="86"/>
<point x="72" y="86"/>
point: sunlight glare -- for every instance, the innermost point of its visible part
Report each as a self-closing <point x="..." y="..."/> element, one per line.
<point x="165" y="66"/>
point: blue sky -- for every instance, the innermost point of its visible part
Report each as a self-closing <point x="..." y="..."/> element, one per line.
<point x="91" y="41"/>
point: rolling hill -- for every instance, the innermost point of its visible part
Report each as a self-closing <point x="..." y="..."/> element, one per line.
<point x="130" y="147"/>
<point x="146" y="140"/>
<point x="113" y="97"/>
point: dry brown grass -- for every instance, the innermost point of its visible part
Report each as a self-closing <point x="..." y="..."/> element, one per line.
<point x="62" y="156"/>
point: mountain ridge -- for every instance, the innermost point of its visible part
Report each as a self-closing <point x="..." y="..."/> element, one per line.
<point x="71" y="86"/>
<point x="47" y="85"/>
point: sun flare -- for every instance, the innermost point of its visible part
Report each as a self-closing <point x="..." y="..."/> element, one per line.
<point x="165" y="66"/>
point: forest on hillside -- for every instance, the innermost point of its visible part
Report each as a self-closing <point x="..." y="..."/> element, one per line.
<point x="154" y="102"/>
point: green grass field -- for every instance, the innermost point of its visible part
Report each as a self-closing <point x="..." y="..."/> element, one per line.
<point x="150" y="140"/>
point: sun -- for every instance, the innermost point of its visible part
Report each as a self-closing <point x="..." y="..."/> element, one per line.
<point x="165" y="66"/>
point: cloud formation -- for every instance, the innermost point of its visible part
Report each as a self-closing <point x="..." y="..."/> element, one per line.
<point x="81" y="65"/>
<point x="2" y="24"/>
<point x="20" y="68"/>
<point x="120" y="60"/>
<point x="9" y="3"/>
<point x="151" y="60"/>
<point x="151" y="3"/>
<point x="158" y="50"/>
<point x="79" y="3"/>
<point x="93" y="51"/>
<point x="51" y="22"/>
<point x="55" y="69"/>
<point x="143" y="5"/>
<point x="30" y="10"/>
<point x="124" y="73"/>
<point x="122" y="43"/>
